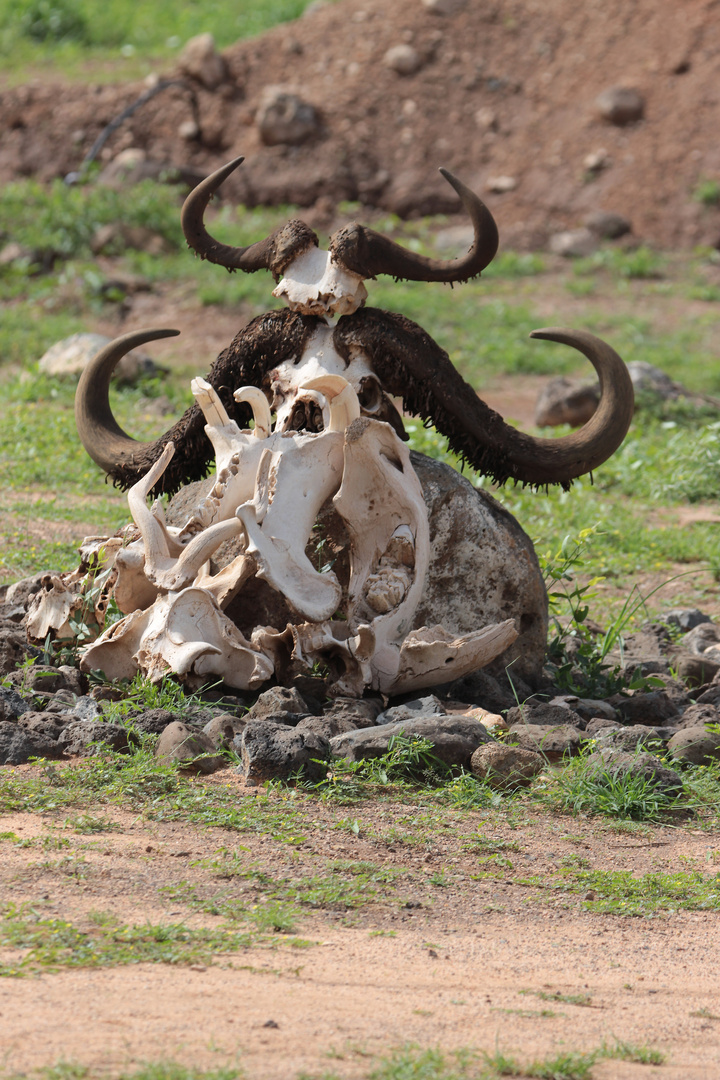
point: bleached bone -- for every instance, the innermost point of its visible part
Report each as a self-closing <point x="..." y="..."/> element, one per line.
<point x="169" y="565"/>
<point x="316" y="285"/>
<point x="319" y="359"/>
<point x="80" y="594"/>
<point x="432" y="656"/>
<point x="186" y="633"/>
<point x="382" y="505"/>
<point x="257" y="401"/>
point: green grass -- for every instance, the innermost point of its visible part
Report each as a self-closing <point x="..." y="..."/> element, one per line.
<point x="58" y="944"/>
<point x="68" y="34"/>
<point x="620" y="892"/>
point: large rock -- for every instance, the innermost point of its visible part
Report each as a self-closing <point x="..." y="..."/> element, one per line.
<point x="454" y="738"/>
<point x="271" y="750"/>
<point x="483" y="568"/>
<point x="566" y="401"/>
<point x="18" y="744"/>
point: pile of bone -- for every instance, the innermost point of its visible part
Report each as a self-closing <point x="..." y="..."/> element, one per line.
<point x="474" y="723"/>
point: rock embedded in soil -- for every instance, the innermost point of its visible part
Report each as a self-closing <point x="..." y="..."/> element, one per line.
<point x="606" y="225"/>
<point x="696" y="670"/>
<point x="586" y="708"/>
<point x="553" y="742"/>
<point x="326" y="726"/>
<point x="454" y="738"/>
<point x="283" y="118"/>
<point x="15" y="650"/>
<point x="506" y="767"/>
<point x="271" y="750"/>
<point x="192" y="749"/>
<point x="698" y="715"/>
<point x="48" y="724"/>
<point x="200" y="60"/>
<point x="621" y="763"/>
<point x="620" y="105"/>
<point x="403" y="59"/>
<point x="684" y="618"/>
<point x="695" y="745"/>
<point x="222" y="729"/>
<point x="573" y="243"/>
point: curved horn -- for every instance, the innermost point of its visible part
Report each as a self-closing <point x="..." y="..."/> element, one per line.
<point x="552" y="461"/>
<point x="413" y="366"/>
<point x="368" y="253"/>
<point x="273" y="253"/>
<point x="99" y="431"/>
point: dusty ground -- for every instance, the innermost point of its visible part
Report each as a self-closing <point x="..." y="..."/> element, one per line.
<point x="503" y="89"/>
<point x="481" y="960"/>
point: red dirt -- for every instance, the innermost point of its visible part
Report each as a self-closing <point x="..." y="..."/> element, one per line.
<point x="537" y="67"/>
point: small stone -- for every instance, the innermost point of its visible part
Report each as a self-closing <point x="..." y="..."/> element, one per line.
<point x="360" y="712"/>
<point x="501" y="184"/>
<point x="553" y="742"/>
<point x="566" y="401"/>
<point x="620" y="105"/>
<point x="573" y="243"/>
<point x="699" y="714"/>
<point x="444" y="7"/>
<point x="284" y="118"/>
<point x="12" y="704"/>
<point x="597" y="160"/>
<point x="277" y="702"/>
<point x="540" y="712"/>
<point x="154" y="721"/>
<point x="697" y="670"/>
<point x="326" y="726"/>
<point x="412" y="710"/>
<point x="586" y="708"/>
<point x="506" y="766"/>
<point x="188" y="130"/>
<point x="600" y="724"/>
<point x="200" y="60"/>
<point x="628" y="738"/>
<point x="695" y="745"/>
<point x="684" y="618"/>
<point x="650" y="708"/>
<point x="403" y="59"/>
<point x="221" y="730"/>
<point x="606" y="225"/>
<point x="192" y="749"/>
<point x="492" y="722"/>
<point x="487" y="119"/>
<point x="699" y="639"/>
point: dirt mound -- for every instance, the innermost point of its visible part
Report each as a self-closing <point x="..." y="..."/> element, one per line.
<point x="501" y="90"/>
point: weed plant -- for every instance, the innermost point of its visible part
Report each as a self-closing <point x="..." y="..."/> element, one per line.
<point x="586" y="787"/>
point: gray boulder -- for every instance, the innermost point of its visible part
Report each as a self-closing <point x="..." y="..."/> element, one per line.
<point x="18" y="744"/>
<point x="12" y="705"/>
<point x="71" y="356"/>
<point x="87" y="738"/>
<point x="698" y="715"/>
<point x="359" y="712"/>
<point x="684" y="618"/>
<point x="651" y="708"/>
<point x="454" y="738"/>
<point x="540" y="712"/>
<point x="278" y="702"/>
<point x="566" y="401"/>
<point x="632" y="737"/>
<point x="271" y="751"/>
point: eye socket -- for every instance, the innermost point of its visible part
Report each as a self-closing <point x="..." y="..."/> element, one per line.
<point x="370" y="394"/>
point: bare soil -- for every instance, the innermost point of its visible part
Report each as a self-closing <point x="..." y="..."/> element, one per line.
<point x="480" y="960"/>
<point x="503" y="89"/>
